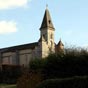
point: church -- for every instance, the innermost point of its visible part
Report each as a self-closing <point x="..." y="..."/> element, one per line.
<point x="22" y="54"/>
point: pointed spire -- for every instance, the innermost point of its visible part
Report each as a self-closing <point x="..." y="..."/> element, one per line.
<point x="60" y="43"/>
<point x="60" y="47"/>
<point x="47" y="22"/>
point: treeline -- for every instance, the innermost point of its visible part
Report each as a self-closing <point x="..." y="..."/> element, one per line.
<point x="68" y="64"/>
<point x="71" y="63"/>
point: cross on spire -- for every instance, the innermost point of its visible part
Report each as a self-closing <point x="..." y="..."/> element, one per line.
<point x="46" y="6"/>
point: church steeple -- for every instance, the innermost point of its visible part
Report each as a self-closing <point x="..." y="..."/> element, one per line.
<point x="47" y="22"/>
<point x="47" y="32"/>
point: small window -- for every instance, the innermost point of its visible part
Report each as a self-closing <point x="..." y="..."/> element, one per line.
<point x="49" y="21"/>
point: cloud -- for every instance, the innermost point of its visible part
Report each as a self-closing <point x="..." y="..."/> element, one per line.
<point x="6" y="4"/>
<point x="7" y="27"/>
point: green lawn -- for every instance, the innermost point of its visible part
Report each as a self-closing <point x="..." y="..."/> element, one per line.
<point x="7" y="86"/>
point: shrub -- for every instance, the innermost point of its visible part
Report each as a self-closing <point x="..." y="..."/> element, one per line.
<point x="75" y="82"/>
<point x="10" y="73"/>
<point x="29" y="80"/>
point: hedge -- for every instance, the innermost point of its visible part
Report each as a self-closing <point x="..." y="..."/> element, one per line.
<point x="74" y="82"/>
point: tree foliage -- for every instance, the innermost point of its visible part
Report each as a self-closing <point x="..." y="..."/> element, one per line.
<point x="72" y="63"/>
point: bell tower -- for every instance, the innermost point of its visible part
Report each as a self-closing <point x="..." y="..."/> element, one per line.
<point x="47" y="30"/>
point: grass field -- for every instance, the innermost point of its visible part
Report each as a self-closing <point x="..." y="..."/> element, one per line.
<point x="7" y="86"/>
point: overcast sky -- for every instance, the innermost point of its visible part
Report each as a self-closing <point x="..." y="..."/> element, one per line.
<point x="20" y="21"/>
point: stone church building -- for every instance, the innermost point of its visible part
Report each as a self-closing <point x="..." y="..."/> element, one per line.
<point x="22" y="54"/>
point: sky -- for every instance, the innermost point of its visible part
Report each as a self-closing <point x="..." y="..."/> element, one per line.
<point x="20" y="21"/>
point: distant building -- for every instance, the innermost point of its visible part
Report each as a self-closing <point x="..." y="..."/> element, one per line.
<point x="22" y="54"/>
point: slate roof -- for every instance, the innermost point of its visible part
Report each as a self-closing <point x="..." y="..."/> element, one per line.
<point x="47" y="22"/>
<point x="20" y="47"/>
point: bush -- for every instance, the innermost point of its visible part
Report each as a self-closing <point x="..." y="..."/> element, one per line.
<point x="10" y="74"/>
<point x="75" y="82"/>
<point x="37" y="64"/>
<point x="29" y="80"/>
